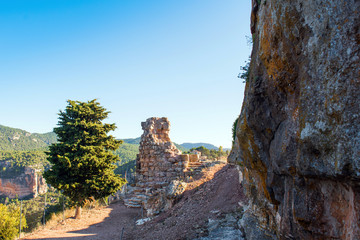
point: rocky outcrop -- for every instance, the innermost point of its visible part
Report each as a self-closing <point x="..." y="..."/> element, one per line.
<point x="27" y="183"/>
<point x="298" y="141"/>
<point x="161" y="169"/>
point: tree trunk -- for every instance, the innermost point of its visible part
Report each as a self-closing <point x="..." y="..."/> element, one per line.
<point x="78" y="212"/>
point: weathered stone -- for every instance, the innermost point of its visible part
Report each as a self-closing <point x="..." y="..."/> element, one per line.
<point x="175" y="189"/>
<point x="194" y="157"/>
<point x="160" y="169"/>
<point x="158" y="163"/>
<point x="224" y="229"/>
<point x="298" y="141"/>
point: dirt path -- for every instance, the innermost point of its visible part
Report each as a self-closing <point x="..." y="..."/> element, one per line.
<point x="213" y="193"/>
<point x="102" y="223"/>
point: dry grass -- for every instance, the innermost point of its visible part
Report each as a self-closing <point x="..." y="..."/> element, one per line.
<point x="206" y="175"/>
<point x="91" y="214"/>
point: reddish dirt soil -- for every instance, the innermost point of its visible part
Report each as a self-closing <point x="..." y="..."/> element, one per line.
<point x="212" y="193"/>
<point x="101" y="223"/>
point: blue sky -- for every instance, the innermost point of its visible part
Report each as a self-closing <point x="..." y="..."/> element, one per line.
<point x="161" y="58"/>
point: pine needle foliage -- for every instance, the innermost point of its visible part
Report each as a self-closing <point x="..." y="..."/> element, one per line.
<point x="83" y="160"/>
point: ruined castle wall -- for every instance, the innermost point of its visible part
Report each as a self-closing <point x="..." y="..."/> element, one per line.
<point x="159" y="161"/>
<point x="158" y="164"/>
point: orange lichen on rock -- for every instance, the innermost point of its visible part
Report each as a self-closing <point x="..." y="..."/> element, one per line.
<point x="297" y="143"/>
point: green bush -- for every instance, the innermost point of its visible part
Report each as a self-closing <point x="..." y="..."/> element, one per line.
<point x="10" y="220"/>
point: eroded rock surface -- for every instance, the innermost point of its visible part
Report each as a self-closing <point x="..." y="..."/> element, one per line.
<point x="28" y="183"/>
<point x="298" y="136"/>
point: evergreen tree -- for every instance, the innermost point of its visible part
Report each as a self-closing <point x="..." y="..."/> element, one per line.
<point x="83" y="160"/>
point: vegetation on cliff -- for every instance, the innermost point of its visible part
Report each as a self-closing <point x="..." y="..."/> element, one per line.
<point x="245" y="71"/>
<point x="16" y="161"/>
<point x="83" y="160"/>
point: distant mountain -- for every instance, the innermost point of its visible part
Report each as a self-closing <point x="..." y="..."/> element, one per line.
<point x="13" y="139"/>
<point x="132" y="140"/>
<point x="181" y="148"/>
<point x="195" y="145"/>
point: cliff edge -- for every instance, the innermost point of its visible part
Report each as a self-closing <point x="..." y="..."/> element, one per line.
<point x="297" y="138"/>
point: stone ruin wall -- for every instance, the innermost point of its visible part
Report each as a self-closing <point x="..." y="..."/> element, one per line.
<point x="161" y="168"/>
<point x="159" y="161"/>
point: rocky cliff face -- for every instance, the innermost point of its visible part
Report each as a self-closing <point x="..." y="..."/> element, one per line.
<point x="298" y="136"/>
<point x="28" y="183"/>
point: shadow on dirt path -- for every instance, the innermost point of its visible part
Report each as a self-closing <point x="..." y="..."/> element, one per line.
<point x="110" y="227"/>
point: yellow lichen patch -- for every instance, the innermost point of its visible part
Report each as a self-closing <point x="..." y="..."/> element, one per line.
<point x="275" y="65"/>
<point x="250" y="154"/>
<point x="280" y="70"/>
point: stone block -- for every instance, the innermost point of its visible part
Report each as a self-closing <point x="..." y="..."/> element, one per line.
<point x="193" y="157"/>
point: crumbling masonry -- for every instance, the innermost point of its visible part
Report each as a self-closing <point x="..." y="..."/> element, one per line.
<point x="160" y="169"/>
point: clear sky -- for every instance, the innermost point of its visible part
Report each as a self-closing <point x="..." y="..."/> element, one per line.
<point x="140" y="58"/>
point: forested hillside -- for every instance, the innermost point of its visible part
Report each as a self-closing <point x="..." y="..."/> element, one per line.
<point x="13" y="139"/>
<point x="132" y="140"/>
<point x="16" y="161"/>
<point x="127" y="152"/>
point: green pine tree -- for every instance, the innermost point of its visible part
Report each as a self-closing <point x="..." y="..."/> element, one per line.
<point x="83" y="160"/>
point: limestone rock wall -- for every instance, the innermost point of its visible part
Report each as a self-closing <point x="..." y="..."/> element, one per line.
<point x="28" y="183"/>
<point x="298" y="136"/>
